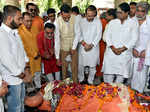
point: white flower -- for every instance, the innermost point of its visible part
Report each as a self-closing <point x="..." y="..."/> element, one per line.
<point x="48" y="91"/>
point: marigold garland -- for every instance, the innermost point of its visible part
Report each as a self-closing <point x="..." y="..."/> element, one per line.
<point x="104" y="93"/>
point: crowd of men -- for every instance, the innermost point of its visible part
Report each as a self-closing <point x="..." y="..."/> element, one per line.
<point x="32" y="46"/>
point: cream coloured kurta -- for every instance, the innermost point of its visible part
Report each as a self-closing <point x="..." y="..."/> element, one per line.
<point x="120" y="35"/>
<point x="58" y="34"/>
<point x="91" y="33"/>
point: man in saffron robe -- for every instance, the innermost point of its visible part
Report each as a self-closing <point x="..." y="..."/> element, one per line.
<point x="30" y="45"/>
<point x="110" y="15"/>
<point x="37" y="21"/>
<point x="102" y="47"/>
<point x="46" y="46"/>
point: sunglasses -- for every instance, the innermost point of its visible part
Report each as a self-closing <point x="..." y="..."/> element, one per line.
<point x="32" y="10"/>
<point x="140" y="10"/>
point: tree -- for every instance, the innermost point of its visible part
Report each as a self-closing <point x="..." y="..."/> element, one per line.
<point x="44" y="5"/>
<point x="2" y="2"/>
<point x="83" y="4"/>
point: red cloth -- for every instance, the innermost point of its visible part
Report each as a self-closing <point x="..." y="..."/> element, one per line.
<point x="45" y="45"/>
<point x="102" y="46"/>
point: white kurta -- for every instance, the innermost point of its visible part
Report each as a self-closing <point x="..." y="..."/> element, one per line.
<point x="144" y="35"/>
<point x="147" y="55"/>
<point x="139" y="77"/>
<point x="91" y="34"/>
<point x="120" y="35"/>
<point x="147" y="47"/>
<point x="1" y="101"/>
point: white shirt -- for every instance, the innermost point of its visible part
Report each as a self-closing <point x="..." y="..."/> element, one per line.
<point x="144" y="35"/>
<point x="91" y="33"/>
<point x="120" y="35"/>
<point x="1" y="100"/>
<point x="12" y="55"/>
<point x="76" y="38"/>
<point x="104" y="36"/>
<point x="78" y="18"/>
<point x="133" y="18"/>
<point x="147" y="54"/>
<point x="49" y="21"/>
<point x="144" y="40"/>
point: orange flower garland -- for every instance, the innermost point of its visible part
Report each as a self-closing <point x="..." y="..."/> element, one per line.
<point x="100" y="94"/>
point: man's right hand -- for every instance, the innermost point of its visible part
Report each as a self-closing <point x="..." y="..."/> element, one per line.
<point x="28" y="76"/>
<point x="115" y="50"/>
<point x="3" y="89"/>
<point x="47" y="55"/>
<point x="58" y="62"/>
<point x="21" y="76"/>
<point x="135" y="53"/>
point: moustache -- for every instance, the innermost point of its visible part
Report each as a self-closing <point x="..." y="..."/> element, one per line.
<point x="140" y="17"/>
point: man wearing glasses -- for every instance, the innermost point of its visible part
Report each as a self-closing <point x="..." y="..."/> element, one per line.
<point x="36" y="27"/>
<point x="121" y="37"/>
<point x="141" y="59"/>
<point x="30" y="46"/>
<point x="37" y="21"/>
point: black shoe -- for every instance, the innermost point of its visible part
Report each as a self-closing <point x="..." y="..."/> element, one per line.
<point x="148" y="87"/>
<point x="84" y="82"/>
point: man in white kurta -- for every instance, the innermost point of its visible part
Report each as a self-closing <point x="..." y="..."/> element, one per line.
<point x="140" y="70"/>
<point x="91" y="30"/>
<point x="3" y="86"/>
<point x="121" y="36"/>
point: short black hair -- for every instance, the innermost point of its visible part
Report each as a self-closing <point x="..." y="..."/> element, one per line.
<point x="30" y="4"/>
<point x="1" y="18"/>
<point x="9" y="10"/>
<point x="65" y="8"/>
<point x="51" y="10"/>
<point x="124" y="7"/>
<point x="112" y="12"/>
<point x="133" y="3"/>
<point x="75" y="9"/>
<point x="25" y="14"/>
<point x="91" y="8"/>
<point x="49" y="25"/>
